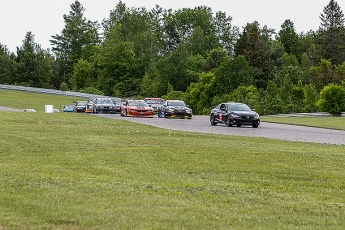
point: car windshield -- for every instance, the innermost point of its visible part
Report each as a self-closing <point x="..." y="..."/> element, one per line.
<point x="119" y="103"/>
<point x="81" y="103"/>
<point x="176" y="103"/>
<point x="238" y="107"/>
<point x="137" y="103"/>
<point x="154" y="101"/>
<point x="104" y="101"/>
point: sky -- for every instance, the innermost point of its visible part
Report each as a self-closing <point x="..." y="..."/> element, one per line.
<point x="44" y="18"/>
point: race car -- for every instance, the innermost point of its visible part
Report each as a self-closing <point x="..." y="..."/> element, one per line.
<point x="136" y="108"/>
<point x="175" y="108"/>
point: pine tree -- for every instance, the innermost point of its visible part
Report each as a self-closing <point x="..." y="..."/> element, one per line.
<point x="332" y="33"/>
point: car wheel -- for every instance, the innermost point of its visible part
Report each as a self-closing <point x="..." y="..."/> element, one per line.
<point x="255" y="126"/>
<point x="228" y="121"/>
<point x="213" y="120"/>
<point x="238" y="125"/>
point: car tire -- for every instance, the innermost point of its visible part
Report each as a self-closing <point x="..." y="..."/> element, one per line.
<point x="213" y="120"/>
<point x="255" y="126"/>
<point x="228" y="121"/>
<point x="238" y="125"/>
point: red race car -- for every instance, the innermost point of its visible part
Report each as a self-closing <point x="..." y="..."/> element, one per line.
<point x="136" y="108"/>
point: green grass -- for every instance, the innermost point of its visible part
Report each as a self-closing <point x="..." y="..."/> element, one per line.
<point x="76" y="171"/>
<point x="321" y="122"/>
<point x="37" y="101"/>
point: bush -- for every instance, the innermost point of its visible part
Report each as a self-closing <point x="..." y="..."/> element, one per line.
<point x="91" y="90"/>
<point x="332" y="99"/>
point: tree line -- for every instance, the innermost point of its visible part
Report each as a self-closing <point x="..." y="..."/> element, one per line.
<point x="190" y="54"/>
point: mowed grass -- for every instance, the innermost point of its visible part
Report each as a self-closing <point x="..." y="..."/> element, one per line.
<point x="77" y="171"/>
<point x="321" y="122"/>
<point x="28" y="100"/>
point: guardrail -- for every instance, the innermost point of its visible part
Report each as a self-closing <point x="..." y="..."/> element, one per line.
<point x="54" y="91"/>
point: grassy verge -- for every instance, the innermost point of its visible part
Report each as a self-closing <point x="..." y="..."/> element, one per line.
<point x="75" y="171"/>
<point x="28" y="100"/>
<point x="321" y="122"/>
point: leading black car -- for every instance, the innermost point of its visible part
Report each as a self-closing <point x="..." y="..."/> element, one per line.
<point x="232" y="113"/>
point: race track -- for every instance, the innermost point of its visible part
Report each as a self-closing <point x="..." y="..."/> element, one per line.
<point x="267" y="130"/>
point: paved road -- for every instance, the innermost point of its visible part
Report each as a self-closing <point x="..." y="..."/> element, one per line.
<point x="268" y="130"/>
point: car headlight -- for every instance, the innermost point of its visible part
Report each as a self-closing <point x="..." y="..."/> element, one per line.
<point x="257" y="116"/>
<point x="188" y="111"/>
<point x="235" y="116"/>
<point x="171" y="110"/>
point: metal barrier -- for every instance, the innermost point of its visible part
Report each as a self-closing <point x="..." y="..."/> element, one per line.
<point x="54" y="91"/>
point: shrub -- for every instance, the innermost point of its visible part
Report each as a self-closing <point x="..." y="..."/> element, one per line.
<point x="332" y="99"/>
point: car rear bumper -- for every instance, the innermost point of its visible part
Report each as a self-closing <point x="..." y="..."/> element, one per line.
<point x="179" y="115"/>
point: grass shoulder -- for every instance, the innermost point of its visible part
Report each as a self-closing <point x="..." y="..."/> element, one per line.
<point x="337" y="123"/>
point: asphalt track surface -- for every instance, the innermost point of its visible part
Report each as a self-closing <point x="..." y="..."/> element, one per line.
<point x="266" y="130"/>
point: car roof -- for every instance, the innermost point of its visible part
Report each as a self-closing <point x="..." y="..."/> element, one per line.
<point x="235" y="103"/>
<point x="153" y="98"/>
<point x="172" y="100"/>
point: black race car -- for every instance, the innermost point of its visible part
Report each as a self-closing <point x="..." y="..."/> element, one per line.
<point x="175" y="108"/>
<point x="232" y="113"/>
<point x="79" y="106"/>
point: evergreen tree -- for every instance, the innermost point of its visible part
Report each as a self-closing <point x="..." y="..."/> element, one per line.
<point x="77" y="40"/>
<point x="34" y="65"/>
<point x="332" y="33"/>
<point x="289" y="38"/>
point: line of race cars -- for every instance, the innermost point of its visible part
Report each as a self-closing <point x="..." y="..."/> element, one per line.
<point x="228" y="113"/>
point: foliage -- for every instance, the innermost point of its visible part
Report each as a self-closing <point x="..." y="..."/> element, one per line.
<point x="116" y="66"/>
<point x="82" y="74"/>
<point x="33" y="65"/>
<point x="311" y="96"/>
<point x="289" y="38"/>
<point x="76" y="41"/>
<point x="137" y="52"/>
<point x="332" y="99"/>
<point x="199" y="95"/>
<point x="248" y="95"/>
<point x="91" y="90"/>
<point x="64" y="86"/>
<point x="7" y="66"/>
<point x="332" y="33"/>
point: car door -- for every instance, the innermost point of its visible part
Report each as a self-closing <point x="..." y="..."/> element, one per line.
<point x="222" y="112"/>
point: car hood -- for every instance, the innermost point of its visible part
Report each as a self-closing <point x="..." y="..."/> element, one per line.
<point x="139" y="107"/>
<point x="177" y="107"/>
<point x="105" y="104"/>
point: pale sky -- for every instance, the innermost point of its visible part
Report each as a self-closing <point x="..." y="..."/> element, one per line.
<point x="44" y="18"/>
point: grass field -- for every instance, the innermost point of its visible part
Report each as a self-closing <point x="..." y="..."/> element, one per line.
<point x="76" y="171"/>
<point x="322" y="122"/>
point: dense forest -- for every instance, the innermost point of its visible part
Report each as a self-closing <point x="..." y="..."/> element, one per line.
<point x="190" y="54"/>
